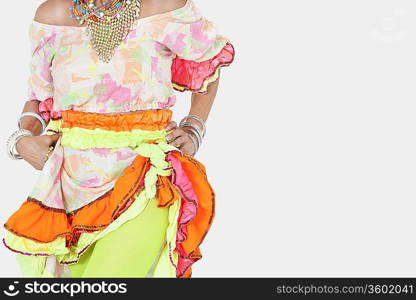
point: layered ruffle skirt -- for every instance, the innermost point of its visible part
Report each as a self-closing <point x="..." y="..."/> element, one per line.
<point x="114" y="199"/>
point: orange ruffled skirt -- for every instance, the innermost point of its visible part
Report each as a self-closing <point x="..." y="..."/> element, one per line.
<point x="53" y="228"/>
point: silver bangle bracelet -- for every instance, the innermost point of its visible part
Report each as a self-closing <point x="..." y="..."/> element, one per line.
<point x="195" y="128"/>
<point x="32" y="114"/>
<point x="194" y="140"/>
<point x="12" y="141"/>
<point x="197" y="118"/>
<point x="195" y="134"/>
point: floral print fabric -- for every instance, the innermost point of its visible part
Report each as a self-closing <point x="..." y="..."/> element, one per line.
<point x="139" y="77"/>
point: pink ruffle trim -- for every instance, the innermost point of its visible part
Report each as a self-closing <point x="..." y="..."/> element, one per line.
<point x="194" y="76"/>
<point x="46" y="110"/>
<point x="188" y="210"/>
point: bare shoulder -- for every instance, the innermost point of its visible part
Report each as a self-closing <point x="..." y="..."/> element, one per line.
<point x="153" y="7"/>
<point x="55" y="12"/>
<point x="171" y="4"/>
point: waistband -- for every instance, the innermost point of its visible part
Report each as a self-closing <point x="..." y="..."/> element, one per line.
<point x="146" y="120"/>
<point x="85" y="130"/>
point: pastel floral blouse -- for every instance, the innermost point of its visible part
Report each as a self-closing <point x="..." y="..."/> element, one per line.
<point x="177" y="50"/>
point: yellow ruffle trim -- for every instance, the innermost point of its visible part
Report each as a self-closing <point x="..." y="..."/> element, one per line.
<point x="81" y="138"/>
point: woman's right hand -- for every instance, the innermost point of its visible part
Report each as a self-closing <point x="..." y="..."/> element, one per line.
<point x="33" y="149"/>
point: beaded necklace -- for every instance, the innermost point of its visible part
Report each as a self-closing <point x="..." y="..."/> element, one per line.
<point x="107" y="25"/>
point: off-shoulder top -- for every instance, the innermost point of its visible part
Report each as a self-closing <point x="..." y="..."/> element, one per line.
<point x="177" y="50"/>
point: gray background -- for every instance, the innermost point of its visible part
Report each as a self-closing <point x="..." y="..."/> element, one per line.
<point x="310" y="144"/>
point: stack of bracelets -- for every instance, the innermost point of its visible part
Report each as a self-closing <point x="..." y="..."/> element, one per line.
<point x="195" y="132"/>
<point x="20" y="133"/>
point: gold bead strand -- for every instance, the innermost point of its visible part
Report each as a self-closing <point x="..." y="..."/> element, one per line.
<point x="112" y="25"/>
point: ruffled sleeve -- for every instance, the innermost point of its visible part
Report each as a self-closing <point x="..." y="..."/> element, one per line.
<point x="200" y="50"/>
<point x="43" y="41"/>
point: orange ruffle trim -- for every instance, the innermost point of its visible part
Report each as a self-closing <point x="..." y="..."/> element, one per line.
<point x="42" y="224"/>
<point x="145" y="120"/>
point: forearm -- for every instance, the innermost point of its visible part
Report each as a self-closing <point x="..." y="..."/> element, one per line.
<point x="28" y="122"/>
<point x="198" y="114"/>
<point x="202" y="103"/>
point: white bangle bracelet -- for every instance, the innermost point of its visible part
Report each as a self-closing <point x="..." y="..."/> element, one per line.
<point x="197" y="118"/>
<point x="12" y="140"/>
<point x="41" y="120"/>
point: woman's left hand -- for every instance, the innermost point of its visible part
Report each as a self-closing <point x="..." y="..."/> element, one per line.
<point x="179" y="138"/>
